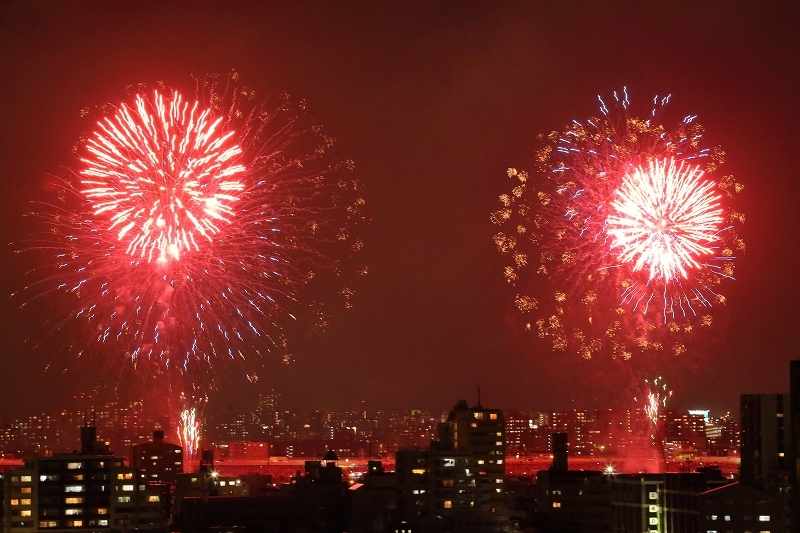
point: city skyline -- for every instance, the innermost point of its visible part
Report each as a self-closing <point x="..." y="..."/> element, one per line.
<point x="433" y="103"/>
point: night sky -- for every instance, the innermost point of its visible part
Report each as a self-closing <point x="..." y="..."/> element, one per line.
<point x="433" y="101"/>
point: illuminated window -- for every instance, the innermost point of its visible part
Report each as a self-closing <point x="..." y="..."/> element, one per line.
<point x="74" y="466"/>
<point x="127" y="488"/>
<point x="25" y="490"/>
<point x="653" y="521"/>
<point x="727" y="518"/>
<point x="448" y="483"/>
<point x="498" y="480"/>
<point x="25" y="512"/>
<point x="653" y="495"/>
<point x="418" y="471"/>
<point x="25" y="479"/>
<point x="492" y="416"/>
<point x="123" y="499"/>
<point x="74" y="523"/>
<point x="654" y="508"/>
<point x="14" y="501"/>
<point x="74" y="488"/>
<point x="48" y="523"/>
<point x="498" y="443"/>
<point x="474" y="424"/>
<point x="479" y="416"/>
<point x="481" y="461"/>
<point x="14" y="479"/>
<point x="154" y="498"/>
<point x="27" y="501"/>
<point x="126" y="475"/>
<point x="51" y="477"/>
<point x="499" y="461"/>
<point x="761" y="518"/>
<point x="72" y="512"/>
<point x="556" y="504"/>
<point x="101" y="510"/>
<point x="103" y="522"/>
<point x="448" y="504"/>
<point x="73" y="500"/>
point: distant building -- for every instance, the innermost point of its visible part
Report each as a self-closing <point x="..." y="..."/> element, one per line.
<point x="90" y="489"/>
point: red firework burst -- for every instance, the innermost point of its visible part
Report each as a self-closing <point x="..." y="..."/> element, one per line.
<point x="163" y="173"/>
<point x="195" y="232"/>
<point x="633" y="236"/>
<point x="666" y="220"/>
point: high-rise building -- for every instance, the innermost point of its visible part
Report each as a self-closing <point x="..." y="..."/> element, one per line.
<point x="766" y="429"/>
<point x="91" y="490"/>
<point x="481" y="433"/>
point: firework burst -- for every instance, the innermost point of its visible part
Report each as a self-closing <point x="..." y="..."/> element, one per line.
<point x="194" y="230"/>
<point x="629" y="229"/>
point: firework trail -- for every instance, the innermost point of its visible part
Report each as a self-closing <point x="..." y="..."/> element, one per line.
<point x="189" y="433"/>
<point x="654" y="403"/>
<point x="628" y="228"/>
<point x="194" y="232"/>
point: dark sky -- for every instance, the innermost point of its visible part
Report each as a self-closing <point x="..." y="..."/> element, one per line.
<point x="433" y="101"/>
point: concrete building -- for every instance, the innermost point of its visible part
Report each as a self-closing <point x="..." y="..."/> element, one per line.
<point x="90" y="490"/>
<point x="158" y="461"/>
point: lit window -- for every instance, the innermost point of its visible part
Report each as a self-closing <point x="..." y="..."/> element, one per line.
<point x="474" y="424"/>
<point x="654" y="508"/>
<point x="448" y="504"/>
<point x="74" y="523"/>
<point x="481" y="461"/>
<point x="25" y="490"/>
<point x="653" y="521"/>
<point x="556" y="504"/>
<point x="498" y="480"/>
<point x="479" y="416"/>
<point x="48" y="523"/>
<point x="74" y="466"/>
<point x="498" y="443"/>
<point x="154" y="498"/>
<point x="101" y="510"/>
<point x="653" y="496"/>
<point x="74" y="488"/>
<point x="499" y="461"/>
<point x="123" y="499"/>
<point x="448" y="483"/>
<point x="125" y="475"/>
<point x="222" y="483"/>
<point x="14" y="479"/>
<point x="127" y="488"/>
<point x="14" y="501"/>
<point x="27" y="501"/>
<point x="103" y="522"/>
<point x="418" y="471"/>
<point x="492" y="416"/>
<point x="761" y="518"/>
<point x="25" y="512"/>
<point x="73" y="511"/>
<point x="727" y="518"/>
<point x="25" y="479"/>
